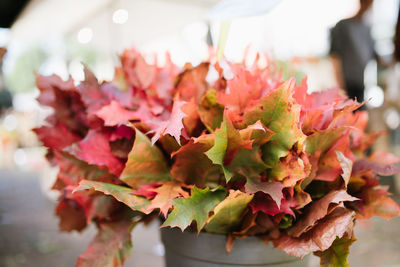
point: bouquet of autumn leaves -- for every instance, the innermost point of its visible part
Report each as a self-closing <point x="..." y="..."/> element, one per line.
<point x="233" y="150"/>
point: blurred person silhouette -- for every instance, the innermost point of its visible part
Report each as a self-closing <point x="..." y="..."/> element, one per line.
<point x="393" y="82"/>
<point x="5" y="95"/>
<point x="352" y="47"/>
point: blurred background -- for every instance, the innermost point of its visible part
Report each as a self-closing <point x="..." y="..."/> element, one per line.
<point x="54" y="36"/>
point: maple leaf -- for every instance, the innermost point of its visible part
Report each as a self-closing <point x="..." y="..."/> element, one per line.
<point x="257" y="132"/>
<point x="165" y="78"/>
<point x="146" y="191"/>
<point x="111" y="246"/>
<point x="329" y="166"/>
<point x="228" y="214"/>
<point x="114" y="114"/>
<point x="320" y="238"/>
<point x="278" y="112"/>
<point x="192" y="82"/>
<point x="292" y="168"/>
<point x="346" y="165"/>
<point x="174" y="125"/>
<point x="210" y="112"/>
<point x="227" y="143"/>
<point x="336" y="255"/>
<point x="248" y="162"/>
<point x="191" y="120"/>
<point x="72" y="215"/>
<point x="54" y="91"/>
<point x="320" y="141"/>
<point x="191" y="165"/>
<point x="379" y="163"/>
<point x="65" y="100"/>
<point x="241" y="90"/>
<point x="137" y="72"/>
<point x="264" y="203"/>
<point x="102" y="208"/>
<point x="164" y="195"/>
<point x="194" y="208"/>
<point x="95" y="149"/>
<point x="273" y="189"/>
<point x="121" y="132"/>
<point x="318" y="210"/>
<point x="121" y="193"/>
<point x="377" y="203"/>
<point x="56" y="136"/>
<point x="146" y="163"/>
<point x="91" y="93"/>
<point x="72" y="170"/>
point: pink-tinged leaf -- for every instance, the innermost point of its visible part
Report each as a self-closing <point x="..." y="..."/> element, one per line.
<point x="318" y="210"/>
<point x="91" y="93"/>
<point x="192" y="83"/>
<point x="365" y="165"/>
<point x="146" y="164"/>
<point x="376" y="202"/>
<point x="240" y="91"/>
<point x="56" y="136"/>
<point x="72" y="170"/>
<point x="114" y="114"/>
<point x="384" y="158"/>
<point x="65" y="100"/>
<point x="146" y="191"/>
<point x="165" y="78"/>
<point x="301" y="96"/>
<point x="380" y="163"/>
<point x="174" y="125"/>
<point x="121" y="132"/>
<point x="51" y="86"/>
<point x="335" y="225"/>
<point x="164" y="196"/>
<point x="264" y="203"/>
<point x="145" y="73"/>
<point x="111" y="246"/>
<point x="273" y="189"/>
<point x="95" y="149"/>
<point x="133" y="65"/>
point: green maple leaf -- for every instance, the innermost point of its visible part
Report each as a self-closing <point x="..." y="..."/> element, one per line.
<point x="121" y="193"/>
<point x="146" y="163"/>
<point x="111" y="246"/>
<point x="279" y="113"/>
<point x="227" y="142"/>
<point x="228" y="213"/>
<point x="336" y="255"/>
<point x="195" y="208"/>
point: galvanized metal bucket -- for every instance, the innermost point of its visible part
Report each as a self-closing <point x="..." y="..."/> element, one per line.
<point x="188" y="249"/>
